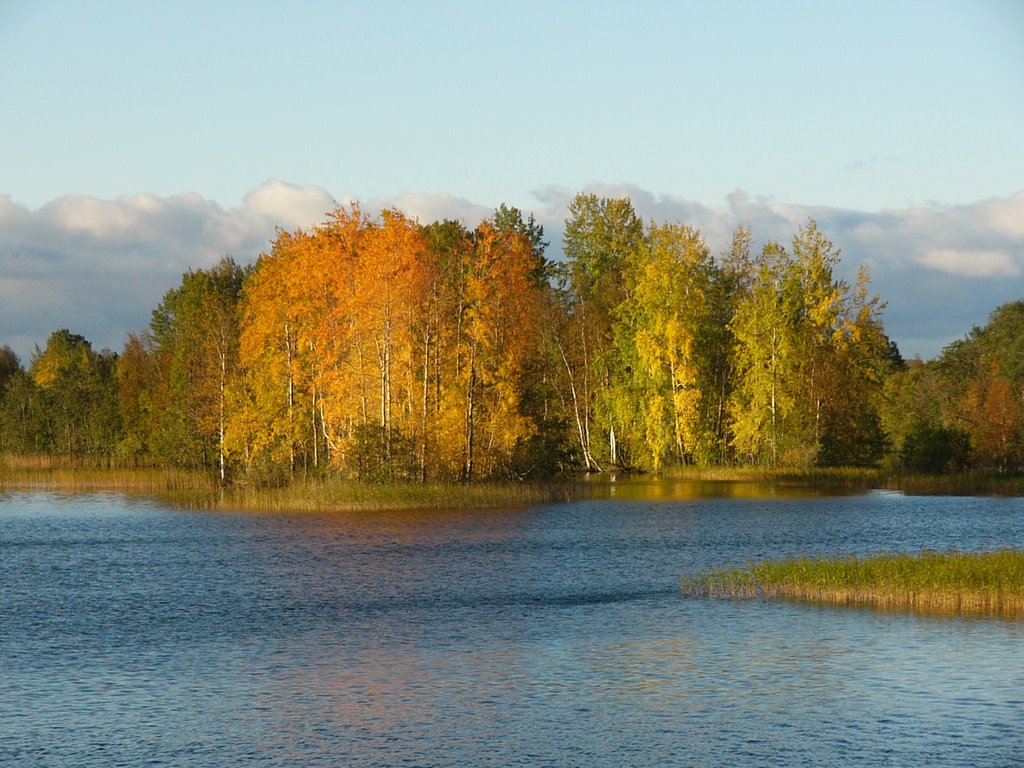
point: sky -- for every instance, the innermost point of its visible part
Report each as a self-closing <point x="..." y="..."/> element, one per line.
<point x="140" y="139"/>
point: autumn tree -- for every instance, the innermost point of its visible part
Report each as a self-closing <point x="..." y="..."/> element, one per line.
<point x="811" y="360"/>
<point x="545" y="394"/>
<point x="500" y="339"/>
<point x="444" y="326"/>
<point x="509" y="221"/>
<point x="295" y="337"/>
<point x="979" y="389"/>
<point x="993" y="417"/>
<point x="655" y="397"/>
<point x="764" y="397"/>
<point x="730" y="280"/>
<point x="389" y="301"/>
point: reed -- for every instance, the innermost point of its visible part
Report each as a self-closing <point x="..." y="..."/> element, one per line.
<point x="957" y="484"/>
<point x="45" y="473"/>
<point x="196" y="489"/>
<point x="990" y="583"/>
<point x="818" y="478"/>
<point x="344" y="496"/>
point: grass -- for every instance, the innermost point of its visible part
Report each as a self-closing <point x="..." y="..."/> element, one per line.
<point x="956" y="484"/>
<point x="44" y="473"/>
<point x="197" y="489"/>
<point x="969" y="483"/>
<point x="342" y="496"/>
<point x="954" y="582"/>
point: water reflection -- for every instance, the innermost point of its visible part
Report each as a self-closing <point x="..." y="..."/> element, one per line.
<point x="655" y="488"/>
<point x="131" y="633"/>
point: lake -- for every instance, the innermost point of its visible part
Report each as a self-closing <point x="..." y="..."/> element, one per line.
<point x="133" y="633"/>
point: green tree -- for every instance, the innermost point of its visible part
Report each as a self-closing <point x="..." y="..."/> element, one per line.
<point x="936" y="450"/>
<point x="75" y="410"/>
<point x="602" y="238"/>
<point x="9" y="366"/>
<point x="509" y="221"/>
<point x="21" y="410"/>
<point x="195" y="342"/>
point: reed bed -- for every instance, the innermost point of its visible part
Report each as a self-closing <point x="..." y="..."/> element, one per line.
<point x="197" y="489"/>
<point x="815" y="478"/>
<point x="990" y="583"/>
<point x="55" y="474"/>
<point x="957" y="484"/>
<point x="333" y="495"/>
<point x="970" y="483"/>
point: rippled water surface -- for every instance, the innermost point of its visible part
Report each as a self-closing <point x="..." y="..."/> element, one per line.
<point x="132" y="633"/>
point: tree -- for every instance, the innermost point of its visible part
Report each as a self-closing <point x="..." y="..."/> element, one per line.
<point x="20" y="407"/>
<point x="936" y="450"/>
<point x="443" y="330"/>
<point x="812" y="358"/>
<point x="509" y="221"/>
<point x="295" y="345"/>
<point x="73" y="405"/>
<point x="503" y="298"/>
<point x="194" y="335"/>
<point x="994" y="421"/>
<point x="976" y="388"/>
<point x="390" y="285"/>
<point x="729" y="284"/>
<point x="140" y="396"/>
<point x="766" y="349"/>
<point x="602" y="237"/>
<point x="659" y="327"/>
<point x="9" y="366"/>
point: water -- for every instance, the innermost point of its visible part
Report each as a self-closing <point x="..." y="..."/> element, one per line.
<point x="135" y="634"/>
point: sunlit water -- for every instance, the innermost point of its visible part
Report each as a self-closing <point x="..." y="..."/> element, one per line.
<point x="134" y="634"/>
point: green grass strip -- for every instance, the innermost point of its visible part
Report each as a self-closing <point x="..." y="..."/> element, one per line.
<point x="934" y="582"/>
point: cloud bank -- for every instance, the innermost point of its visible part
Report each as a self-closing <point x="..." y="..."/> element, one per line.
<point x="99" y="267"/>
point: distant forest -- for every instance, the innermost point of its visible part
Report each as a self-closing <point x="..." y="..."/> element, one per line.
<point x="381" y="349"/>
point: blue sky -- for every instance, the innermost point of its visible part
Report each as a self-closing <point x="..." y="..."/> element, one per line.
<point x="143" y="138"/>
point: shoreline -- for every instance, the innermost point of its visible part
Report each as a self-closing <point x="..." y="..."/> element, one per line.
<point x="333" y="493"/>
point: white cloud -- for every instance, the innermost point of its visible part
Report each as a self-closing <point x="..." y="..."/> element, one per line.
<point x="972" y="263"/>
<point x="99" y="267"/>
<point x="429" y="208"/>
<point x="1004" y="216"/>
<point x="289" y="205"/>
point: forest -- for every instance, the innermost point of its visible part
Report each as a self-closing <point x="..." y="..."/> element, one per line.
<point x="382" y="349"/>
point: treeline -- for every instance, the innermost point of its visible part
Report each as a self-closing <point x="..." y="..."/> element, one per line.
<point x="383" y="349"/>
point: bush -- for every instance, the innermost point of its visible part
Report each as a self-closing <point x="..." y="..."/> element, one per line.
<point x="936" y="450"/>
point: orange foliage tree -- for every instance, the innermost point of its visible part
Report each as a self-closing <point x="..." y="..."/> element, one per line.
<point x="385" y="350"/>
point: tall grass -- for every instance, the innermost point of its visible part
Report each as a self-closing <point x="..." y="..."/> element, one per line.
<point x="342" y="495"/>
<point x="957" y="484"/>
<point x="47" y="473"/>
<point x="949" y="582"/>
<point x="197" y="489"/>
<point x="971" y="483"/>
